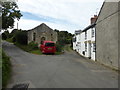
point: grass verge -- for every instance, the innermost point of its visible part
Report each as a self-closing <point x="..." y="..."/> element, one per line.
<point x="0" y="57"/>
<point x="23" y="47"/>
<point x="0" y="68"/>
<point x="29" y="49"/>
<point x="38" y="52"/>
<point x="9" y="40"/>
<point x="67" y="47"/>
<point x="6" y="69"/>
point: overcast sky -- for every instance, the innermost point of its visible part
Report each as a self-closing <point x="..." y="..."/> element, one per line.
<point x="69" y="15"/>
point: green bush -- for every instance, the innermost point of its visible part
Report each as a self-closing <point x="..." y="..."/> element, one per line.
<point x="5" y="35"/>
<point x="59" y="47"/>
<point x="21" y="37"/>
<point x="33" y="45"/>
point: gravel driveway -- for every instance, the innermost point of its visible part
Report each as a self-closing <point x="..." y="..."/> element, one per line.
<point x="68" y="70"/>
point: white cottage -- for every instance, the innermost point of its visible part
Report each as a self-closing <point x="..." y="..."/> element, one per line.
<point x="76" y="40"/>
<point x="89" y="41"/>
<point x="84" y="42"/>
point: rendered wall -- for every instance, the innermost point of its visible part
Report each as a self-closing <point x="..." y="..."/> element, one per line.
<point x="119" y="35"/>
<point x="107" y="35"/>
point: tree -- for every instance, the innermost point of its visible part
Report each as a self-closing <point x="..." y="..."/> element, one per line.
<point x="10" y="12"/>
<point x="4" y="36"/>
<point x="21" y="37"/>
<point x="12" y="34"/>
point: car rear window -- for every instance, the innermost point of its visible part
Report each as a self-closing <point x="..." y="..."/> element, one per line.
<point x="50" y="44"/>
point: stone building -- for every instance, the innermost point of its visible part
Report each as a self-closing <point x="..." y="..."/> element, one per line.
<point x="41" y="33"/>
<point x="107" y="34"/>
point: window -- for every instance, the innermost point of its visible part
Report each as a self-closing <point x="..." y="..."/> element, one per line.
<point x="79" y="44"/>
<point x="85" y="47"/>
<point x="51" y="37"/>
<point x="85" y="34"/>
<point x="94" y="47"/>
<point x="50" y="44"/>
<point x="74" y="39"/>
<point x="93" y="32"/>
<point x="34" y="36"/>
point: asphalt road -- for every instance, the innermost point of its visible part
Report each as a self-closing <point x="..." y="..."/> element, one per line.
<point x="69" y="70"/>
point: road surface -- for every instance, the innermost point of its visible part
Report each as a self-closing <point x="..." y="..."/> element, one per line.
<point x="69" y="70"/>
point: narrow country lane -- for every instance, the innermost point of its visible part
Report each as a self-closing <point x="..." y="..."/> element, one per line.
<point x="69" y="70"/>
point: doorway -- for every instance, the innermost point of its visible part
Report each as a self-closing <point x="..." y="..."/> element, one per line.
<point x="42" y="39"/>
<point x="89" y="50"/>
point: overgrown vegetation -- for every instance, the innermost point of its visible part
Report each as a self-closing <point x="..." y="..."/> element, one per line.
<point x="10" y="12"/>
<point x="31" y="47"/>
<point x="19" y="38"/>
<point x="59" y="48"/>
<point x="6" y="69"/>
<point x="16" y="36"/>
<point x="0" y="57"/>
<point x="0" y="65"/>
<point x="5" y="35"/>
<point x="64" y="40"/>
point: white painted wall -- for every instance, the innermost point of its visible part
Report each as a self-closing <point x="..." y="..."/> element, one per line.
<point x="77" y="42"/>
<point x="74" y="45"/>
<point x="93" y="41"/>
<point x="82" y="43"/>
<point x="79" y="45"/>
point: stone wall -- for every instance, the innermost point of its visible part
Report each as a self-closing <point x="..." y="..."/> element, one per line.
<point x="42" y="32"/>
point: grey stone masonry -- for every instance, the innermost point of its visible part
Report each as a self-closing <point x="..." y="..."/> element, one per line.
<point x="41" y="33"/>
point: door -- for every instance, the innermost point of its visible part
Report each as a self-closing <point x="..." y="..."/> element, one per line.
<point x="42" y="39"/>
<point x="89" y="50"/>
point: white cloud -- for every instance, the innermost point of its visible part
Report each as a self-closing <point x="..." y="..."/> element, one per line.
<point x="26" y="24"/>
<point x="74" y="11"/>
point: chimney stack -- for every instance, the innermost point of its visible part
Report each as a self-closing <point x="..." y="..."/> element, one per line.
<point x="93" y="19"/>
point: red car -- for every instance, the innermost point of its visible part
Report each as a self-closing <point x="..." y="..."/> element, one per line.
<point x="48" y="47"/>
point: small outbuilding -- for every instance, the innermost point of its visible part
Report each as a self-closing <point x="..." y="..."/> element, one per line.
<point x="41" y="33"/>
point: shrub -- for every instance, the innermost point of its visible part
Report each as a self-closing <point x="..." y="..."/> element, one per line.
<point x="4" y="36"/>
<point x="59" y="47"/>
<point x="33" y="45"/>
<point x="13" y="39"/>
<point x="21" y="37"/>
